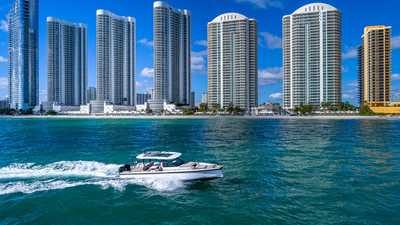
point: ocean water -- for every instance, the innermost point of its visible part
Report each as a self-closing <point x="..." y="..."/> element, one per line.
<point x="63" y="171"/>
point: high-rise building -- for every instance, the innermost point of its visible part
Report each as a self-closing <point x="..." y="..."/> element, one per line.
<point x="90" y="94"/>
<point x="4" y="103"/>
<point x="67" y="62"/>
<point x="312" y="56"/>
<point x="23" y="69"/>
<point x="172" y="50"/>
<point x="232" y="61"/>
<point x="142" y="98"/>
<point x="375" y="65"/>
<point x="192" y="99"/>
<point x="204" y="98"/>
<point x="115" y="56"/>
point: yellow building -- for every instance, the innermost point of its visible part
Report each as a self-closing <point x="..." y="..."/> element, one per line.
<point x="392" y="108"/>
<point x="375" y="66"/>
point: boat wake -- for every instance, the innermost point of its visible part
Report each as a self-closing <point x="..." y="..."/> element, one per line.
<point x="30" y="178"/>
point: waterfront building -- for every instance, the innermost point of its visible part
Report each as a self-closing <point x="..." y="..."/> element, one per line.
<point x="232" y="61"/>
<point x="142" y="98"/>
<point x="23" y="68"/>
<point x="115" y="57"/>
<point x="204" y="98"/>
<point x="192" y="99"/>
<point x="375" y="65"/>
<point x="90" y="94"/>
<point x="67" y="62"/>
<point x="312" y="56"/>
<point x="4" y="103"/>
<point x="172" y="52"/>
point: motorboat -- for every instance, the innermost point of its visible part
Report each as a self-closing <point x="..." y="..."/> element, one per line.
<point x="169" y="165"/>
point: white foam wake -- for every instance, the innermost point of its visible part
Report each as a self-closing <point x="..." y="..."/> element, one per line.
<point x="58" y="169"/>
<point x="30" y="178"/>
<point x="37" y="186"/>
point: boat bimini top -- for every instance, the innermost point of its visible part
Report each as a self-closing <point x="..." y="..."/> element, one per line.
<point x="162" y="156"/>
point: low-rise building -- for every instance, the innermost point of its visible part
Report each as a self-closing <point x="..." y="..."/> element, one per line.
<point x="391" y="108"/>
<point x="267" y="109"/>
<point x="161" y="106"/>
<point x="142" y="98"/>
<point x="119" y="109"/>
<point x="4" y="104"/>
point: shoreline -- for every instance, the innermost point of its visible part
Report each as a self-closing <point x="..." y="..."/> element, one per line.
<point x="180" y="117"/>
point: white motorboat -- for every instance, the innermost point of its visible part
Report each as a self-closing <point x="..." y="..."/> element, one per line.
<point x="159" y="165"/>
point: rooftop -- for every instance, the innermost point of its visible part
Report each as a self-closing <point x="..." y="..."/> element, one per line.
<point x="229" y="17"/>
<point x="53" y="19"/>
<point x="314" y="7"/>
<point x="108" y="13"/>
<point x="162" y="4"/>
<point x="378" y="27"/>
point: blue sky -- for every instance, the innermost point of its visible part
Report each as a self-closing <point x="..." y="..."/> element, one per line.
<point x="268" y="13"/>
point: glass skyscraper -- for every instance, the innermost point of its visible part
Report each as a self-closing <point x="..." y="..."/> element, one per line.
<point x="67" y="62"/>
<point x="23" y="47"/>
<point x="115" y="55"/>
<point x="312" y="56"/>
<point x="172" y="52"/>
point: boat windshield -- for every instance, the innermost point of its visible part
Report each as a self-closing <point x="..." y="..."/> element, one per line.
<point x="174" y="163"/>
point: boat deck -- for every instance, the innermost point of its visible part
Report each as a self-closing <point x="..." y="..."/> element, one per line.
<point x="184" y="167"/>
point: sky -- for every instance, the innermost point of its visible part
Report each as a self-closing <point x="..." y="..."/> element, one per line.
<point x="268" y="13"/>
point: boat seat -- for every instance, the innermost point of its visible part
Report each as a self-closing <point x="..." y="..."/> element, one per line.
<point x="148" y="166"/>
<point x="201" y="167"/>
<point x="189" y="164"/>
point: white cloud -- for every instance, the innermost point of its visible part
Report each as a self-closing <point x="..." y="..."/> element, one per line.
<point x="270" y="75"/>
<point x="4" y="25"/>
<point x="199" y="61"/>
<point x="348" y="97"/>
<point x="352" y="84"/>
<point x="201" y="43"/>
<point x="351" y="53"/>
<point x="395" y="95"/>
<point x="263" y="4"/>
<point x="276" y="96"/>
<point x="200" y="53"/>
<point x="147" y="72"/>
<point x="3" y="59"/>
<point x="396" y="42"/>
<point x="3" y="82"/>
<point x="3" y="87"/>
<point x="146" y="42"/>
<point x="350" y="91"/>
<point x="144" y="86"/>
<point x="396" y="76"/>
<point x="270" y="41"/>
<point x="138" y="84"/>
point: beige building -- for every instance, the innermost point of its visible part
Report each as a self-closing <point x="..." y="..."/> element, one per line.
<point x="232" y="61"/>
<point x="312" y="56"/>
<point x="375" y="66"/>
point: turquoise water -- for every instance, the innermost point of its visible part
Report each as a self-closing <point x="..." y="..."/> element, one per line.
<point x="276" y="172"/>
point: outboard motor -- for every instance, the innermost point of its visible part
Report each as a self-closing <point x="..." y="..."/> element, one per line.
<point x="125" y="168"/>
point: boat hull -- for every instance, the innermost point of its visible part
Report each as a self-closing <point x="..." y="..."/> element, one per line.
<point x="181" y="175"/>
